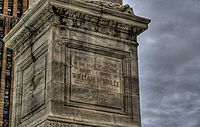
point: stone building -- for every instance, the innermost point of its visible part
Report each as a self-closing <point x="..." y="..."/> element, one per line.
<point x="76" y="64"/>
<point x="10" y="11"/>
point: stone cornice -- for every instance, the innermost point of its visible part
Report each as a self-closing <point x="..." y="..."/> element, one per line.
<point x="30" y="22"/>
<point x="97" y="23"/>
<point x="98" y="10"/>
<point x="122" y="25"/>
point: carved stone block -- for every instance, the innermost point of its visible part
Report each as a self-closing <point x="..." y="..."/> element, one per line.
<point x="76" y="64"/>
<point x="33" y="89"/>
<point x="96" y="79"/>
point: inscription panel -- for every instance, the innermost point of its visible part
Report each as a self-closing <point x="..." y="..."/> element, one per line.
<point x="96" y="79"/>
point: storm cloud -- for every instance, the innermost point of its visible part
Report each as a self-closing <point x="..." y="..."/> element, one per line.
<point x="169" y="62"/>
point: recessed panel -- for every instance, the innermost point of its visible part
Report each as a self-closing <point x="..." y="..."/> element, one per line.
<point x="33" y="91"/>
<point x="96" y="79"/>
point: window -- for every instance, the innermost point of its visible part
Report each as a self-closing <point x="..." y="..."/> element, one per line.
<point x="9" y="59"/>
<point x="7" y="92"/>
<point x="10" y="4"/>
<point x="1" y="36"/>
<point x="5" y="123"/>
<point x="6" y="103"/>
<point x="8" y="72"/>
<point x="1" y="50"/>
<point x="5" y="113"/>
<point x="9" y="56"/>
<point x="1" y="6"/>
<point x="9" y="65"/>
<point x="6" y="108"/>
<point x="9" y="51"/>
<point x="6" y="97"/>
<point x="20" y="8"/>
<point x="7" y="84"/>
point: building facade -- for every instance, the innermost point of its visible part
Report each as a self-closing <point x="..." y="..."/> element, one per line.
<point x="10" y="12"/>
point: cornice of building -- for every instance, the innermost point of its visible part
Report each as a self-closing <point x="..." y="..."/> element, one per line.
<point x="109" y="21"/>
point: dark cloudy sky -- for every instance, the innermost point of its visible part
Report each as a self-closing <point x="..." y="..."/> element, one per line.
<point x="169" y="58"/>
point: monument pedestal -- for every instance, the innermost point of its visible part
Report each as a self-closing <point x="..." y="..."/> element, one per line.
<point x="76" y="65"/>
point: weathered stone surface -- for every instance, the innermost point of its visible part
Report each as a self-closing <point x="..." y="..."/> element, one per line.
<point x="96" y="79"/>
<point x="32" y="2"/>
<point x="76" y="66"/>
<point x="33" y="92"/>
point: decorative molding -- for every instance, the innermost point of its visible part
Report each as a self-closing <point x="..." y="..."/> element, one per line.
<point x="61" y="124"/>
<point x="50" y="123"/>
<point x="75" y="19"/>
<point x="29" y="24"/>
<point x="81" y="19"/>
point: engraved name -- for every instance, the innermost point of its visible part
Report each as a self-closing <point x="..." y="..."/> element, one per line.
<point x="96" y="79"/>
<point x="91" y="81"/>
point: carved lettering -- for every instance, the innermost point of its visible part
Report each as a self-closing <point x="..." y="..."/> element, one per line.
<point x="96" y="79"/>
<point x="90" y="81"/>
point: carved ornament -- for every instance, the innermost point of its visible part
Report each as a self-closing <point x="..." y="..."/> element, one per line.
<point x="98" y="24"/>
<point x="114" y="6"/>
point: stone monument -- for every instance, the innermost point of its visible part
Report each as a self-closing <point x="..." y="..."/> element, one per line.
<point x="76" y="64"/>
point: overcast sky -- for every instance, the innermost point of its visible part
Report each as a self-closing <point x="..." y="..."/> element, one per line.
<point x="169" y="60"/>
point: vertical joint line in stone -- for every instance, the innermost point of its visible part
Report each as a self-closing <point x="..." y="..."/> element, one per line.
<point x="33" y="62"/>
<point x="32" y="56"/>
